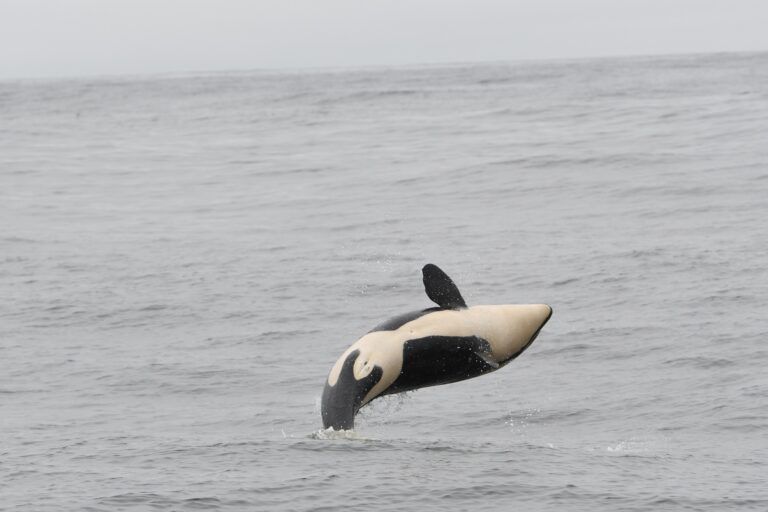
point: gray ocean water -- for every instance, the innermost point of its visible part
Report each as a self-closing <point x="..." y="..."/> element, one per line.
<point x="183" y="258"/>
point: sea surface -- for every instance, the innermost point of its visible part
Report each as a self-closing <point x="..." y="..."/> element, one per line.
<point x="183" y="258"/>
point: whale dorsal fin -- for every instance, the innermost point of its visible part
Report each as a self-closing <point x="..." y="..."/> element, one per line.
<point x="440" y="289"/>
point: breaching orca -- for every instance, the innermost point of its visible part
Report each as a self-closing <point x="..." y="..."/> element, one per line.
<point x="434" y="346"/>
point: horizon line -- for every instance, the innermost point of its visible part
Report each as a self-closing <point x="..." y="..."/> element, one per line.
<point x="360" y="67"/>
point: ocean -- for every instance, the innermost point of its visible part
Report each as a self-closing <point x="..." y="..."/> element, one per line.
<point x="184" y="257"/>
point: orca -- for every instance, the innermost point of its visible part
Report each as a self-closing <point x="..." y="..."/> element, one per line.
<point x="438" y="345"/>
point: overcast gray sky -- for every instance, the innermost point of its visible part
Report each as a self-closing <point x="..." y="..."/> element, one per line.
<point x="41" y="38"/>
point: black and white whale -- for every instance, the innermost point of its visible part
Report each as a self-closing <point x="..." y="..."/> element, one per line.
<point x="434" y="346"/>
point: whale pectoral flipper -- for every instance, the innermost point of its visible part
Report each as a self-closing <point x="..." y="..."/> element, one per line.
<point x="441" y="289"/>
<point x="437" y="360"/>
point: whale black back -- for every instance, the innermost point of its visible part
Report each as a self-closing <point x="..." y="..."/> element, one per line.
<point x="398" y="321"/>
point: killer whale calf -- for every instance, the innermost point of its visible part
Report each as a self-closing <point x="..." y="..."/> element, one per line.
<point x="438" y="345"/>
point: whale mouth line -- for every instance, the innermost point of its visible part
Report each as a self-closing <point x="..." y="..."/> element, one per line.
<point x="533" y="338"/>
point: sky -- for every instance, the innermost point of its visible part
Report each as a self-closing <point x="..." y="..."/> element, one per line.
<point x="52" y="38"/>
